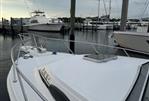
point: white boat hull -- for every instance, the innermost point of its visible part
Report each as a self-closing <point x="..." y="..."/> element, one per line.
<point x="99" y="27"/>
<point x="142" y="29"/>
<point x="105" y="27"/>
<point x="46" y="27"/>
<point x="136" y="41"/>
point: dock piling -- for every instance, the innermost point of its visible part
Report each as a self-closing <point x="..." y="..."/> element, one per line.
<point x="21" y="22"/>
<point x="124" y="15"/>
<point x="72" y="23"/>
<point x="11" y="25"/>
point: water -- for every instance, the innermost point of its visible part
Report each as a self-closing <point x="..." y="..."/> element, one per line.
<point x="102" y="37"/>
<point x="5" y="63"/>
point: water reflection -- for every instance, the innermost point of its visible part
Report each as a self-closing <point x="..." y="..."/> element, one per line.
<point x="6" y="43"/>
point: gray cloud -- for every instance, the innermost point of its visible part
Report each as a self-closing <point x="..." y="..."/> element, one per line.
<point x="83" y="7"/>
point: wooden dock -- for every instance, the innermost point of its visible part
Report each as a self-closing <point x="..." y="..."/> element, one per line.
<point x="9" y="27"/>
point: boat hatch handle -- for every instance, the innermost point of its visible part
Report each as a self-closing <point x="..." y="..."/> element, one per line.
<point x="99" y="58"/>
<point x="46" y="77"/>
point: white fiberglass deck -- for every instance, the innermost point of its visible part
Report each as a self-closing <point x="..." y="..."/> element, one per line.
<point x="29" y="67"/>
<point x="107" y="81"/>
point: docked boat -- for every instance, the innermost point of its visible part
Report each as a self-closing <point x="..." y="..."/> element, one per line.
<point x="142" y="29"/>
<point x="96" y="25"/>
<point x="138" y="41"/>
<point x="105" y="27"/>
<point x="39" y="22"/>
<point x="41" y="75"/>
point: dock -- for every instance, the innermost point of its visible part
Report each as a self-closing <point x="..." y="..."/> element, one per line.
<point x="13" y="26"/>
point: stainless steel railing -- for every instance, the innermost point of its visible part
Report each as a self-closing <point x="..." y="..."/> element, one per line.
<point x="92" y="44"/>
<point x="18" y="75"/>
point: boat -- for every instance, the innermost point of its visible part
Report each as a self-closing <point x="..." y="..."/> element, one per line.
<point x="142" y="29"/>
<point x="89" y="24"/>
<point x="41" y="75"/>
<point x="105" y="27"/>
<point x="138" y="41"/>
<point x="102" y="24"/>
<point x="105" y="23"/>
<point x="39" y="22"/>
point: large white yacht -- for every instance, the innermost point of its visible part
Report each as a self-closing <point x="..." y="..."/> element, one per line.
<point x="41" y="75"/>
<point x="39" y="22"/>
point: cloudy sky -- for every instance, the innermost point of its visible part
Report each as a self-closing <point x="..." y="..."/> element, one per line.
<point x="55" y="8"/>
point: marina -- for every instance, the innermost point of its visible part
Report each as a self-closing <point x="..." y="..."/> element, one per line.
<point x="99" y="51"/>
<point x="102" y="37"/>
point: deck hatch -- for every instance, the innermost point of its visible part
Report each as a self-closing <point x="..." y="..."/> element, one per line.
<point x="98" y="58"/>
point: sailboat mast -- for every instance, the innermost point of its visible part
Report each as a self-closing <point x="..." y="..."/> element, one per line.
<point x="105" y="7"/>
<point x="148" y="27"/>
<point x="109" y="9"/>
<point x="98" y="9"/>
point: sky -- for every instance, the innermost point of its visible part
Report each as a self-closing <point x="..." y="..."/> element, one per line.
<point x="61" y="8"/>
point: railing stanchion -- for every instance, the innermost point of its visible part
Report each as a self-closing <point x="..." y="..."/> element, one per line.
<point x="126" y="52"/>
<point x="96" y="51"/>
<point x="68" y="48"/>
<point x="35" y="40"/>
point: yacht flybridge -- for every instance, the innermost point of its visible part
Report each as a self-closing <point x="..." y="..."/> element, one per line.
<point x="38" y="74"/>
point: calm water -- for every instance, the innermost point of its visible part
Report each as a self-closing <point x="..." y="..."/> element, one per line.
<point x="102" y="37"/>
<point x="5" y="45"/>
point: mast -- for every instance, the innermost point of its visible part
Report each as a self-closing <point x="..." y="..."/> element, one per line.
<point x="105" y="7"/>
<point x="98" y="9"/>
<point x="109" y="9"/>
<point x="124" y="15"/>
